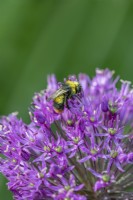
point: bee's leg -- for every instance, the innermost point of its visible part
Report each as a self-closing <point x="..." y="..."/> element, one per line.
<point x="78" y="98"/>
<point x="66" y="102"/>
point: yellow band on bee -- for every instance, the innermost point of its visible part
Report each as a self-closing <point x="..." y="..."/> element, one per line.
<point x="59" y="99"/>
<point x="73" y="85"/>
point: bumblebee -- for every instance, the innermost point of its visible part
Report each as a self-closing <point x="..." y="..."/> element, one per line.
<point x="61" y="96"/>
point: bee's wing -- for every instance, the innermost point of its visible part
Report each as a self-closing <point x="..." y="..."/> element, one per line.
<point x="57" y="93"/>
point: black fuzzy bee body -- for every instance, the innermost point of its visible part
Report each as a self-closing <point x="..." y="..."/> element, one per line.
<point x="61" y="96"/>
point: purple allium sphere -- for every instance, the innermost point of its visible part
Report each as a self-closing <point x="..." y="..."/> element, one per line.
<point x="83" y="153"/>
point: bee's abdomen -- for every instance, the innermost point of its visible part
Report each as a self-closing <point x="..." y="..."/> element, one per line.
<point x="59" y="103"/>
<point x="60" y="99"/>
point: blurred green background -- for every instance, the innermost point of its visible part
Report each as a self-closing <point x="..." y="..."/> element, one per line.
<point x="40" y="37"/>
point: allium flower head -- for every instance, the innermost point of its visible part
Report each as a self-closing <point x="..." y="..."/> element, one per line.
<point x="82" y="153"/>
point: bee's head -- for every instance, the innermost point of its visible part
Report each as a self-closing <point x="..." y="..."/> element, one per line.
<point x="79" y="88"/>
